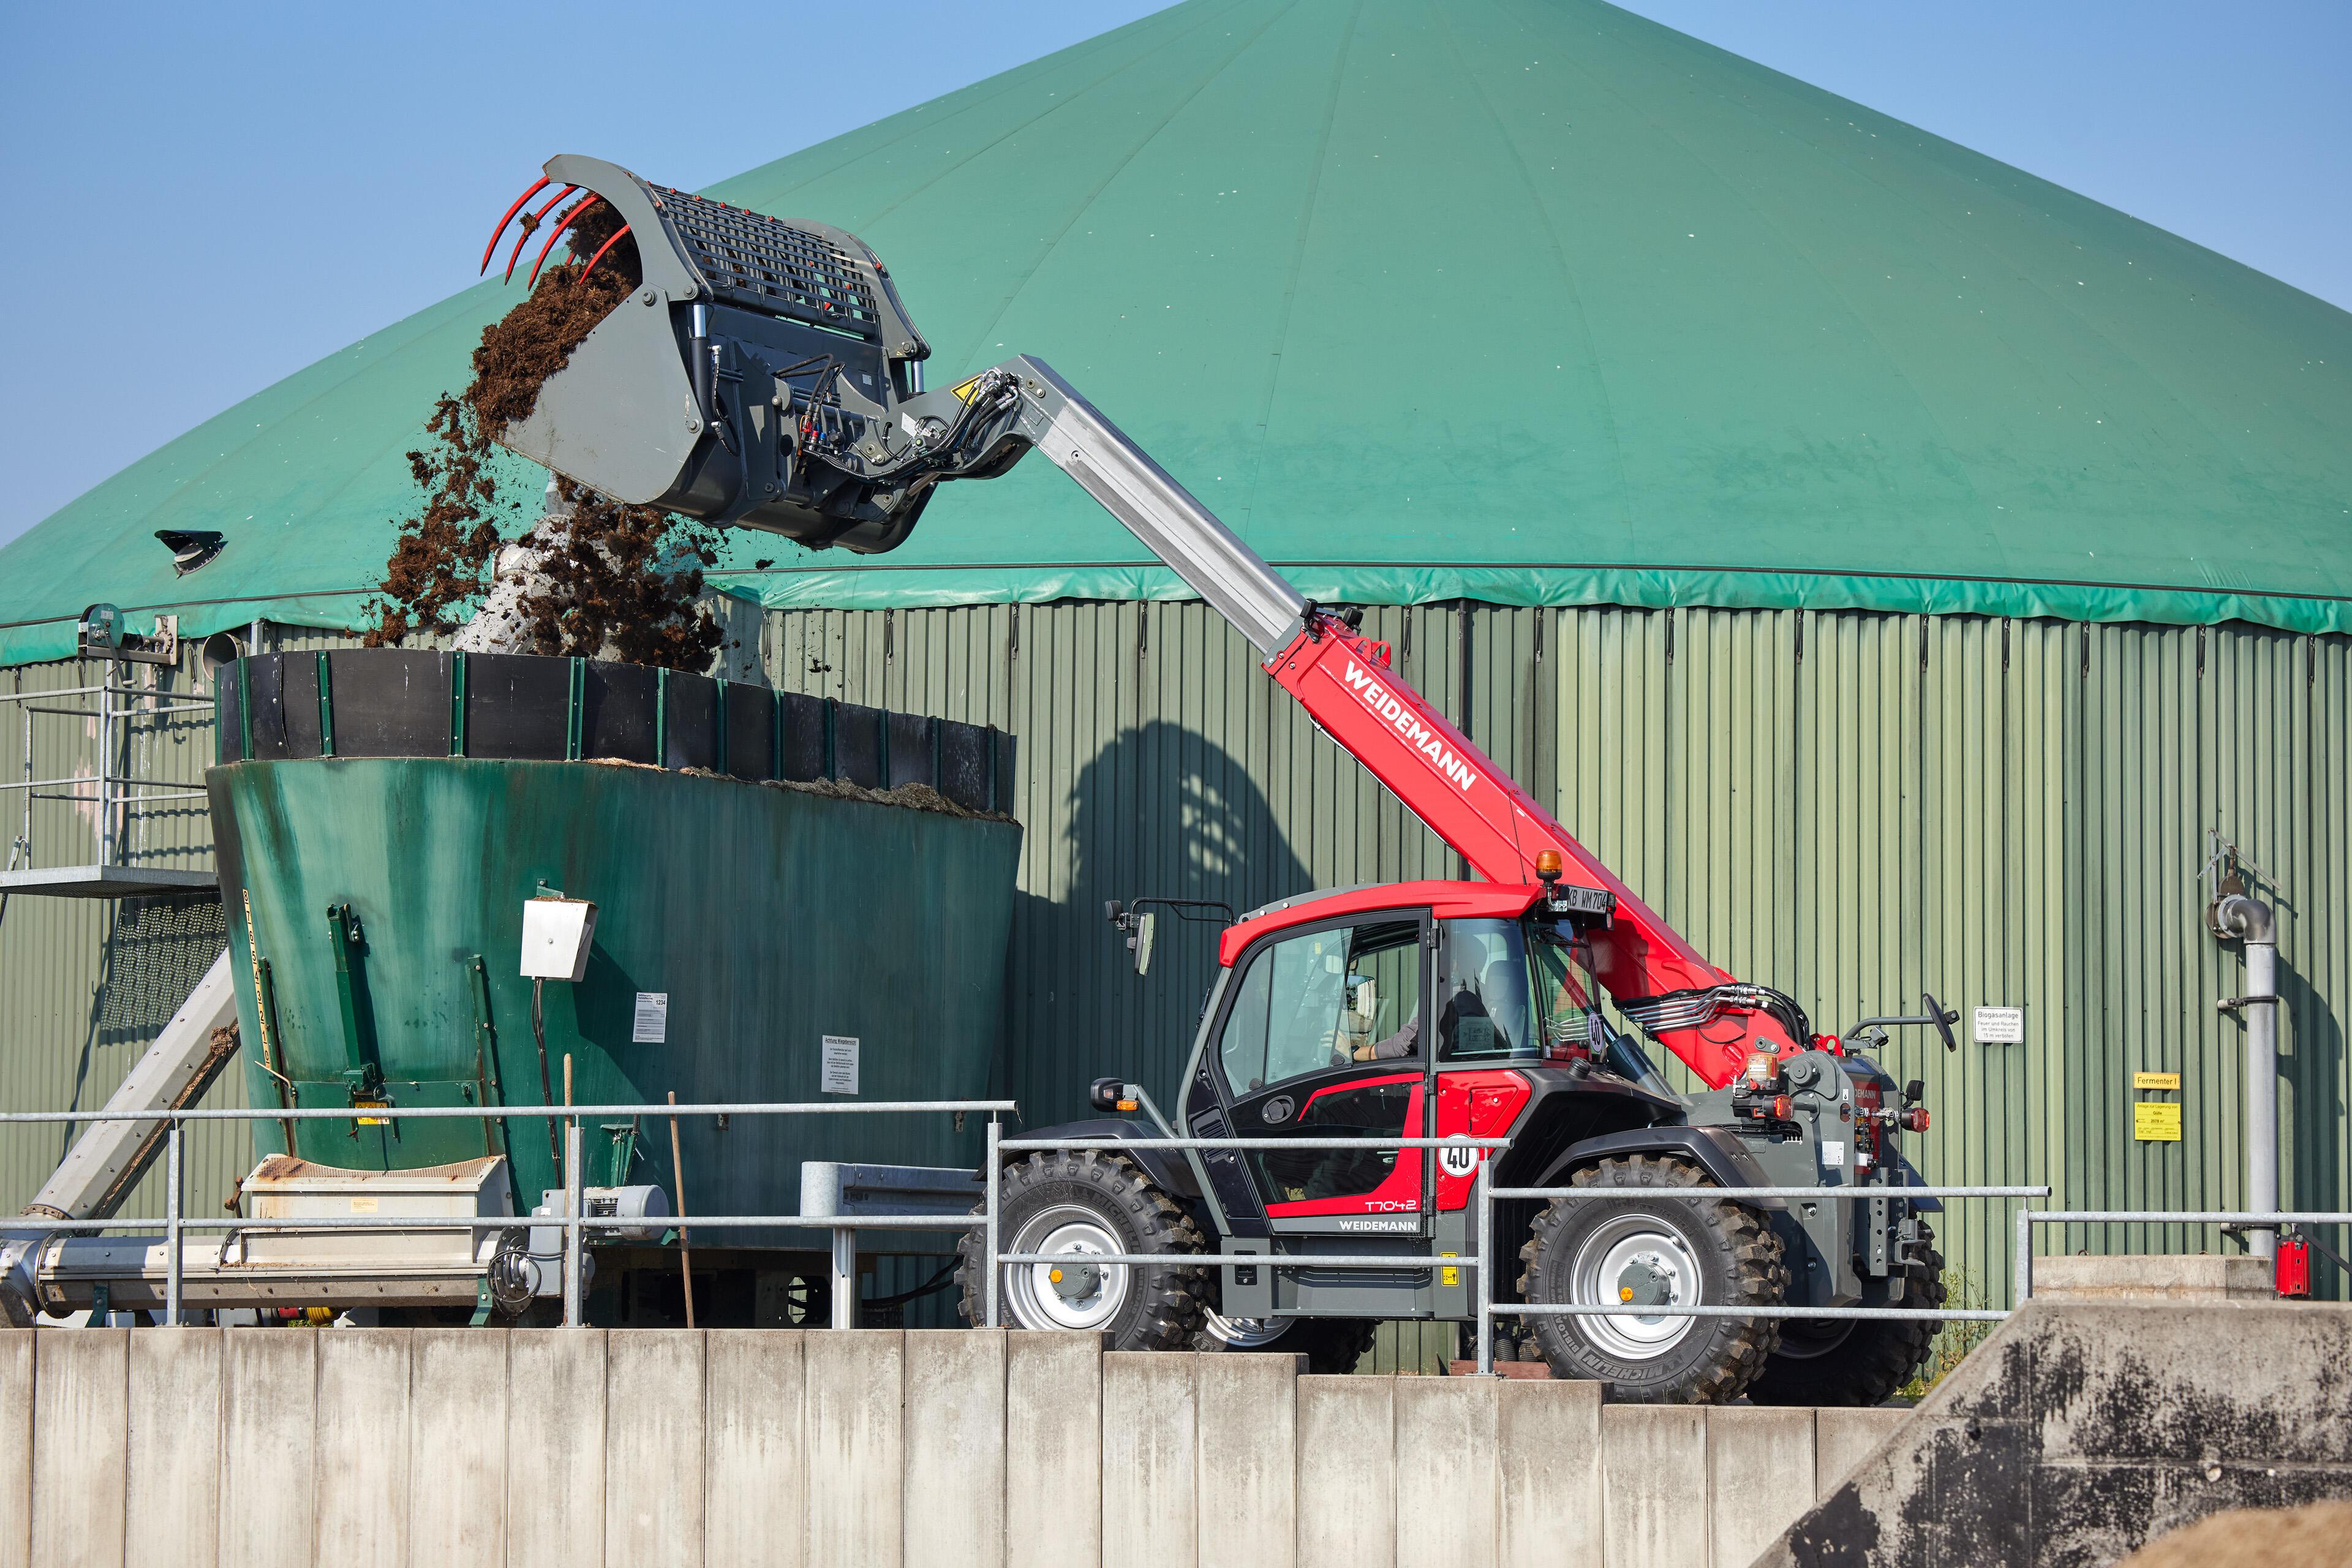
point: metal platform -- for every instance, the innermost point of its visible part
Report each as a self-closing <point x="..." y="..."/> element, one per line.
<point x="106" y="881"/>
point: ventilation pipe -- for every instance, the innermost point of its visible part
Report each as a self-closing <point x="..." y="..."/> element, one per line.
<point x="2236" y="917"/>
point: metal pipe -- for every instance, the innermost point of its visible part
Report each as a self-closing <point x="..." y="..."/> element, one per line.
<point x="2024" y="1261"/>
<point x="1419" y="1261"/>
<point x="478" y="1113"/>
<point x="1667" y="1309"/>
<point x="575" y="1236"/>
<point x="2188" y="1216"/>
<point x="1041" y="1145"/>
<point x="105" y="764"/>
<point x="173" y="1270"/>
<point x="1855" y="1193"/>
<point x="589" y="1222"/>
<point x="995" y="1177"/>
<point x="2249" y="921"/>
<point x="1485" y="1208"/>
<point x="845" y="1278"/>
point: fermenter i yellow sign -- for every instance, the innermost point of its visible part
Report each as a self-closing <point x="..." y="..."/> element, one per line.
<point x="2155" y="1122"/>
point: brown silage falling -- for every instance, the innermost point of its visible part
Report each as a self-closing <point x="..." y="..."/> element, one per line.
<point x="620" y="582"/>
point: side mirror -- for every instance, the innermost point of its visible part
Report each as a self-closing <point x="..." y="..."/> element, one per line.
<point x="1140" y="940"/>
<point x="1942" y="1019"/>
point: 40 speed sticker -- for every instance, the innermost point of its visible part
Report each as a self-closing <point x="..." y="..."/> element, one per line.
<point x="1458" y="1162"/>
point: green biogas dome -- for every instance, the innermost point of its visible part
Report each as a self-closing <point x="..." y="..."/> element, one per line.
<point x="1898" y="567"/>
<point x="1535" y="304"/>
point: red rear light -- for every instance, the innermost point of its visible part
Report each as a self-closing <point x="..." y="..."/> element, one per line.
<point x="1915" y="1119"/>
<point x="1781" y="1108"/>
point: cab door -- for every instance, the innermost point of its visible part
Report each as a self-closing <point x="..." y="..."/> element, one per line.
<point x="1321" y="1038"/>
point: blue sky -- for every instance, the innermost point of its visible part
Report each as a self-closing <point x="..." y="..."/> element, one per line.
<point x="202" y="200"/>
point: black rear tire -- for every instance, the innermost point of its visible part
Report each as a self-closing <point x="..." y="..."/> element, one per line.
<point x="1588" y="1251"/>
<point x="1823" y="1361"/>
<point x="1087" y="1201"/>
<point x="1330" y="1345"/>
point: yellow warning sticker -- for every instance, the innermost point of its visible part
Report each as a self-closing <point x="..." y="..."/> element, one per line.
<point x="961" y="390"/>
<point x="2155" y="1122"/>
<point x="2156" y="1080"/>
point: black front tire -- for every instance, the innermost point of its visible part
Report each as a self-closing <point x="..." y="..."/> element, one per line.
<point x="1588" y="1251"/>
<point x="1077" y="1202"/>
<point x="1825" y="1360"/>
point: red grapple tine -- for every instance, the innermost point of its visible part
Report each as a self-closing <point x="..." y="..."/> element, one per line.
<point x="488" y="249"/>
<point x="575" y="212"/>
<point x="531" y="226"/>
<point x="600" y="254"/>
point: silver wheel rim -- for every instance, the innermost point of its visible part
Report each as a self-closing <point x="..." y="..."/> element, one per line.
<point x="1087" y="1299"/>
<point x="1247" y="1333"/>
<point x="1643" y="1254"/>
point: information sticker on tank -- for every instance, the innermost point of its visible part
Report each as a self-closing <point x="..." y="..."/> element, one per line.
<point x="651" y="1026"/>
<point x="1833" y="1155"/>
<point x="839" y="1075"/>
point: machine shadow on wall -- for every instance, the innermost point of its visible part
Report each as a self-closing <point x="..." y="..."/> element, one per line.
<point x="1161" y="811"/>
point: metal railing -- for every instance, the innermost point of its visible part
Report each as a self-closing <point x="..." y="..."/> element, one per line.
<point x="2243" y="1219"/>
<point x="574" y="1225"/>
<point x="177" y="1224"/>
<point x="117" y="793"/>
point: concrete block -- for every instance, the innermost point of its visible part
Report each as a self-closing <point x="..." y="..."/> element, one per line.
<point x="555" y="1447"/>
<point x="80" y="1425"/>
<point x="1248" y="1505"/>
<point x="1151" y="1435"/>
<point x="458" y="1447"/>
<point x="269" y="1422"/>
<point x="854" y="1389"/>
<point x="754" y="1449"/>
<point x="1760" y="1476"/>
<point x="652" y="1448"/>
<point x="2166" y="1276"/>
<point x="1548" y="1445"/>
<point x="364" y="1444"/>
<point x="1347" y="1472"/>
<point x="1844" y="1438"/>
<point x="16" y="1447"/>
<point x="955" y="1454"/>
<point x="1445" y="1446"/>
<point x="1052" y="1428"/>
<point x="1654" y="1485"/>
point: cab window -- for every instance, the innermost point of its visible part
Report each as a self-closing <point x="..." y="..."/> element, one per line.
<point x="1514" y="988"/>
<point x="1323" y="999"/>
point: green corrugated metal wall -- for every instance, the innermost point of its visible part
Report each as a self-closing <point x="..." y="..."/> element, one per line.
<point x="1853" y="806"/>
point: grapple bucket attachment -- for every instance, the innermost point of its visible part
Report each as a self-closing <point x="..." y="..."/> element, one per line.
<point x="763" y="374"/>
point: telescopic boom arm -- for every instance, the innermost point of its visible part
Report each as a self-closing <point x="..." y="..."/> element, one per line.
<point x="1347" y="686"/>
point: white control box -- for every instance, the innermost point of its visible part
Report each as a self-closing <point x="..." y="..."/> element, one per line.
<point x="556" y="936"/>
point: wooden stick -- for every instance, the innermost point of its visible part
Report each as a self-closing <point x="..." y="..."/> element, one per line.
<point x="678" y="1181"/>
<point x="563" y="1171"/>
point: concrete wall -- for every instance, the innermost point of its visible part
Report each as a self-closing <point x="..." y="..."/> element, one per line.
<point x="642" y="1448"/>
<point x="2081" y="1430"/>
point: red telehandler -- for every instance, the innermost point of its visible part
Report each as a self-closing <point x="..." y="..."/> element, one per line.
<point x="764" y="374"/>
